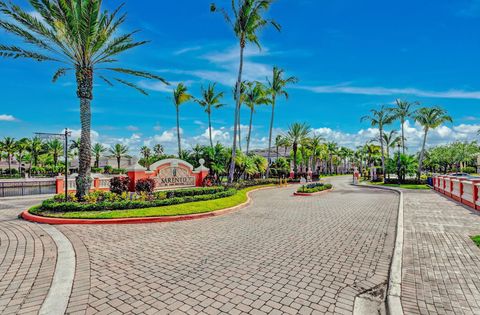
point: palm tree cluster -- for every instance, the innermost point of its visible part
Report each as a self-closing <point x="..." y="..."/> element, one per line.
<point x="453" y="157"/>
<point x="428" y="117"/>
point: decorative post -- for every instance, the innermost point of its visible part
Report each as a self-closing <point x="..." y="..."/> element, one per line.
<point x="201" y="173"/>
<point x="135" y="173"/>
<point x="59" y="184"/>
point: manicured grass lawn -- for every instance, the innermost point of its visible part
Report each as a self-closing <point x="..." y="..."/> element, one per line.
<point x="405" y="186"/>
<point x="476" y="240"/>
<point x="181" y="209"/>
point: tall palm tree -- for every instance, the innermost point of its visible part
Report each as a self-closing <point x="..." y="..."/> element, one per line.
<point x="247" y="22"/>
<point x="402" y="111"/>
<point x="277" y="88"/>
<point x="390" y="140"/>
<point x="145" y="152"/>
<point x="158" y="149"/>
<point x="380" y="118"/>
<point x="97" y="150"/>
<point x="296" y="133"/>
<point x="119" y="151"/>
<point x="314" y="145"/>
<point x="84" y="39"/>
<point x="210" y="100"/>
<point x="22" y="147"/>
<point x="429" y="118"/>
<point x="255" y="95"/>
<point x="35" y="147"/>
<point x="55" y="149"/>
<point x="180" y="96"/>
<point x="332" y="149"/>
<point x="9" y="146"/>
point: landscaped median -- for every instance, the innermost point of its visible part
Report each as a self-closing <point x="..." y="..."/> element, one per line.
<point x="313" y="189"/>
<point x="165" y="206"/>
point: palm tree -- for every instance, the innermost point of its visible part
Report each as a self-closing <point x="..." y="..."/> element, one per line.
<point x="119" y="151"/>
<point x="97" y="150"/>
<point x="55" y="148"/>
<point x="380" y="118"/>
<point x="429" y="118"/>
<point x="296" y="133"/>
<point x="84" y="39"/>
<point x="180" y="96"/>
<point x="35" y="147"/>
<point x="332" y="149"/>
<point x="277" y="88"/>
<point x="158" y="149"/>
<point x="402" y="111"/>
<point x="145" y="152"/>
<point x="9" y="146"/>
<point x="314" y="145"/>
<point x="210" y="100"/>
<point x="248" y="20"/>
<point x="22" y="147"/>
<point x="255" y="95"/>
<point x="390" y="140"/>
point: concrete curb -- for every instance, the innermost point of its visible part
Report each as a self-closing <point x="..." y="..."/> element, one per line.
<point x="393" y="300"/>
<point x="58" y="296"/>
<point x="59" y="221"/>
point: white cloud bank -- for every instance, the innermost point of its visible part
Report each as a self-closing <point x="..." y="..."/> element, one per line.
<point x="5" y="117"/>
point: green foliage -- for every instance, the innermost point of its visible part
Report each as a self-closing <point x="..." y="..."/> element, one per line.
<point x="146" y="185"/>
<point x="192" y="192"/>
<point x="119" y="185"/>
<point x="476" y="240"/>
<point x="469" y="170"/>
<point x="314" y="187"/>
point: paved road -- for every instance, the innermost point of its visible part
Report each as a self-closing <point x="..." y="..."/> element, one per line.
<point x="282" y="254"/>
<point x="441" y="264"/>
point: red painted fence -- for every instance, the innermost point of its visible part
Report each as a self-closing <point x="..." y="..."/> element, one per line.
<point x="461" y="189"/>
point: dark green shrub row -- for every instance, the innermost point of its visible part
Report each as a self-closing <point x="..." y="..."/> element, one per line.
<point x="313" y="188"/>
<point x="241" y="184"/>
<point x="194" y="191"/>
<point x="408" y="181"/>
<point x="52" y="206"/>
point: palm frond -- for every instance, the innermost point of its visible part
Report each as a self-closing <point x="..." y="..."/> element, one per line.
<point x="17" y="52"/>
<point x="60" y="73"/>
<point x="132" y="85"/>
<point x="141" y="74"/>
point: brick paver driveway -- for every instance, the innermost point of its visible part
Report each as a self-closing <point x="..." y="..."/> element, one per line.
<point x="441" y="264"/>
<point x="282" y="254"/>
<point x="27" y="260"/>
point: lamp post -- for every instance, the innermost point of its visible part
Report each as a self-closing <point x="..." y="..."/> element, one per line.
<point x="399" y="164"/>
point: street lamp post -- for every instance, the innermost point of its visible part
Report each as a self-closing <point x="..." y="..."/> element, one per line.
<point x="399" y="164"/>
<point x="65" y="136"/>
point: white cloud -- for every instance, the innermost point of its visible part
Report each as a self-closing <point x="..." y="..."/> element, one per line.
<point x="76" y="133"/>
<point x="166" y="136"/>
<point x="132" y="128"/>
<point x="186" y="50"/>
<point x="378" y="90"/>
<point x="5" y="117"/>
<point x="162" y="87"/>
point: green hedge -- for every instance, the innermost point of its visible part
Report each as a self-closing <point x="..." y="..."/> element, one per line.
<point x="193" y="192"/>
<point x="313" y="188"/>
<point x="52" y="206"/>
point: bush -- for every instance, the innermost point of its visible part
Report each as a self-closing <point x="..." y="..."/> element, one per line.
<point x="119" y="185"/>
<point x="192" y="192"/>
<point x="118" y="171"/>
<point x="108" y="169"/>
<point x="469" y="170"/>
<point x="146" y="185"/>
<point x="61" y="197"/>
<point x="313" y="188"/>
<point x="408" y="181"/>
<point x="96" y="169"/>
<point x="138" y="202"/>
<point x="253" y="182"/>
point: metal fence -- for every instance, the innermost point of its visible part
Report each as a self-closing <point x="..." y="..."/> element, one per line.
<point x="26" y="188"/>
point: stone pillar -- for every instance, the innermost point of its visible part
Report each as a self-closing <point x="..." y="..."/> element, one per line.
<point x="201" y="173"/>
<point x="135" y="173"/>
<point x="59" y="185"/>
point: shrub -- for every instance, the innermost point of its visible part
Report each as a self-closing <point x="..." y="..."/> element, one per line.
<point x="313" y="188"/>
<point x="469" y="170"/>
<point x="118" y="171"/>
<point x="193" y="192"/>
<point x="96" y="169"/>
<point x="146" y="185"/>
<point x="119" y="185"/>
<point x="107" y="169"/>
<point x="408" y="181"/>
<point x="61" y="197"/>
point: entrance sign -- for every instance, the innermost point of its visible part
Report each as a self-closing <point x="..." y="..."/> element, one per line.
<point x="174" y="175"/>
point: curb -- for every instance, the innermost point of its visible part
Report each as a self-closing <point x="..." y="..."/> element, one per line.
<point x="59" y="221"/>
<point x="394" y="290"/>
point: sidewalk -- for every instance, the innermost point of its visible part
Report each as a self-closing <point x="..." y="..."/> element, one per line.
<point x="441" y="264"/>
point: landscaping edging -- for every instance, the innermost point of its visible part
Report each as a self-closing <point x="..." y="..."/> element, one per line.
<point x="394" y="290"/>
<point x="61" y="221"/>
<point x="312" y="194"/>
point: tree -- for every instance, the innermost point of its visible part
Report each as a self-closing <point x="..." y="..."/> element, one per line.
<point x="380" y="118"/>
<point x="402" y="111"/>
<point x="254" y="95"/>
<point x="97" y="150"/>
<point x="84" y="39"/>
<point x="296" y="133"/>
<point x="277" y="88"/>
<point x="390" y="140"/>
<point x="332" y="149"/>
<point x="210" y="100"/>
<point x="119" y="151"/>
<point x="158" y="150"/>
<point x="35" y="147"/>
<point x="180" y="96"/>
<point x="22" y="147"/>
<point x="9" y="146"/>
<point x="55" y="149"/>
<point x="429" y="118"/>
<point x="314" y="144"/>
<point x="247" y="22"/>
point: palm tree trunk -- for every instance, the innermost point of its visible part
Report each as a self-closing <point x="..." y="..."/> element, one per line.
<point x="239" y="128"/>
<point x="210" y="129"/>
<point x="118" y="162"/>
<point x="383" y="152"/>
<point x="84" y="77"/>
<point x="249" y="130"/>
<point x="9" y="164"/>
<point x="295" y="158"/>
<point x="178" y="133"/>
<point x="422" y="152"/>
<point x="231" y="171"/>
<point x="403" y="135"/>
<point x="270" y="137"/>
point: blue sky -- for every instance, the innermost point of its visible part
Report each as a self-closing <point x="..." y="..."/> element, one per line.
<point x="349" y="56"/>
